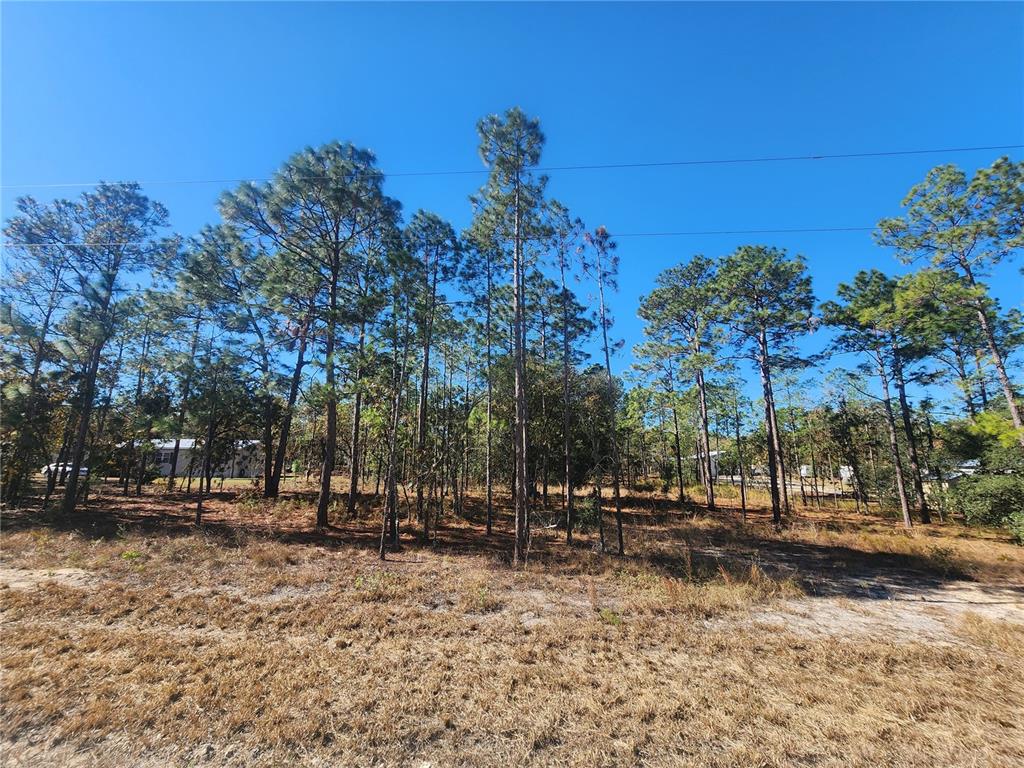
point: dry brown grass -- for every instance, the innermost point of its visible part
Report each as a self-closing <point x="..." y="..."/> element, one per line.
<point x="259" y="642"/>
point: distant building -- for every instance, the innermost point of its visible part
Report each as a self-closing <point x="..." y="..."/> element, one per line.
<point x="714" y="463"/>
<point x="956" y="474"/>
<point x="246" y="460"/>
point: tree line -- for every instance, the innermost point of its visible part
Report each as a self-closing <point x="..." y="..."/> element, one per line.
<point x="402" y="354"/>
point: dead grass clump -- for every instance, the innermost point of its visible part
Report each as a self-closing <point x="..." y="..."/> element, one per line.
<point x="708" y="594"/>
<point x="272" y="555"/>
<point x="1004" y="636"/>
<point x="478" y="595"/>
<point x="379" y="586"/>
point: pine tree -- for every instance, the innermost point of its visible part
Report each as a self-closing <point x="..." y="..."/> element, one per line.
<point x="766" y="301"/>
<point x="326" y="208"/>
<point x="680" y="312"/>
<point x="969" y="227"/>
<point x="510" y="145"/>
<point x="605" y="267"/>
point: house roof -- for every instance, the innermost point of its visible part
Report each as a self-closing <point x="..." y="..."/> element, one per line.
<point x="712" y="454"/>
<point x="186" y="444"/>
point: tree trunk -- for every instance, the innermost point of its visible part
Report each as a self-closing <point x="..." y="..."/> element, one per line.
<point x="519" y="491"/>
<point x="679" y="451"/>
<point x="78" y="451"/>
<point x="979" y="373"/>
<point x="908" y="432"/>
<point x="324" y="500"/>
<point x="207" y="470"/>
<point x="616" y="465"/>
<point x="421" y="421"/>
<point x="357" y="407"/>
<point x="570" y="503"/>
<point x="739" y="459"/>
<point x="997" y="359"/>
<point x="26" y="436"/>
<point x="389" y="524"/>
<point x="186" y="389"/>
<point x="709" y="480"/>
<point x="965" y="381"/>
<point x="770" y="428"/>
<point x="894" y="448"/>
<point x="490" y="398"/>
<point x="286" y="422"/>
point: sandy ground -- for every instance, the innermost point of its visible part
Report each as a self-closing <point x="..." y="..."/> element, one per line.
<point x="132" y="639"/>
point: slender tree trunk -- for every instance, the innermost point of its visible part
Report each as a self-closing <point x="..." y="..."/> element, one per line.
<point x="357" y="407"/>
<point x="62" y="457"/>
<point x="186" y="389"/>
<point x="679" y="451"/>
<point x="543" y="470"/>
<point x="780" y="455"/>
<point x="894" y="448"/>
<point x="979" y="374"/>
<point x="488" y="480"/>
<point x="133" y="446"/>
<point x="522" y="509"/>
<point x="324" y="500"/>
<point x="965" y="381"/>
<point x="616" y="465"/>
<point x="78" y="450"/>
<point x="908" y="432"/>
<point x="389" y="524"/>
<point x="286" y="421"/>
<point x="207" y="469"/>
<point x="709" y="481"/>
<point x="570" y="502"/>
<point x="770" y="428"/>
<point x="465" y="444"/>
<point x="27" y="435"/>
<point x="421" y="421"/>
<point x="846" y="440"/>
<point x="815" y="491"/>
<point x="739" y="458"/>
<point x="997" y="359"/>
<point x="143" y="456"/>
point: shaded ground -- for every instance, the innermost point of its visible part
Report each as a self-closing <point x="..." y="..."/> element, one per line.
<point x="132" y="638"/>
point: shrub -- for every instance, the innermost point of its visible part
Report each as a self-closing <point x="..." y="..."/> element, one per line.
<point x="1015" y="522"/>
<point x="989" y="499"/>
<point x="587" y="517"/>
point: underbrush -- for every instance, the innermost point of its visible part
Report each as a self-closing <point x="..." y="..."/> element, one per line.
<point x="705" y="594"/>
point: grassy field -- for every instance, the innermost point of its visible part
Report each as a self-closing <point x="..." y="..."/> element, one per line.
<point x="132" y="638"/>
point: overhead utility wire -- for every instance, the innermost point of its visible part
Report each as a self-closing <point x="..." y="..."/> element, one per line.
<point x="550" y="168"/>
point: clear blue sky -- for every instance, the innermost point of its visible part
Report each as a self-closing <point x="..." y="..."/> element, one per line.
<point x="210" y="91"/>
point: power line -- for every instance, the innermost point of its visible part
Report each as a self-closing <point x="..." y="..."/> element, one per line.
<point x="742" y="232"/>
<point x="688" y="233"/>
<point x="558" y="168"/>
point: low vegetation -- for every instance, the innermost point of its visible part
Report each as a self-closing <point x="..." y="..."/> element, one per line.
<point x="131" y="636"/>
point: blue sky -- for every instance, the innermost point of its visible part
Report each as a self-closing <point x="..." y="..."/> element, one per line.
<point x="154" y="92"/>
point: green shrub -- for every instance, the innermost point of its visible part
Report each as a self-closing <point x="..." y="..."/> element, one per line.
<point x="1015" y="522"/>
<point x="587" y="518"/>
<point x="989" y="499"/>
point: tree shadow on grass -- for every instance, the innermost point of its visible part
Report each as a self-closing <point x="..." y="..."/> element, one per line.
<point x="677" y="540"/>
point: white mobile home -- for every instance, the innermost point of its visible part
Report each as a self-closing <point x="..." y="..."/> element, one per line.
<point x="714" y="463"/>
<point x="246" y="460"/>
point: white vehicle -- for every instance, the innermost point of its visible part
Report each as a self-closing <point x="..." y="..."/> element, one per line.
<point x="62" y="469"/>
